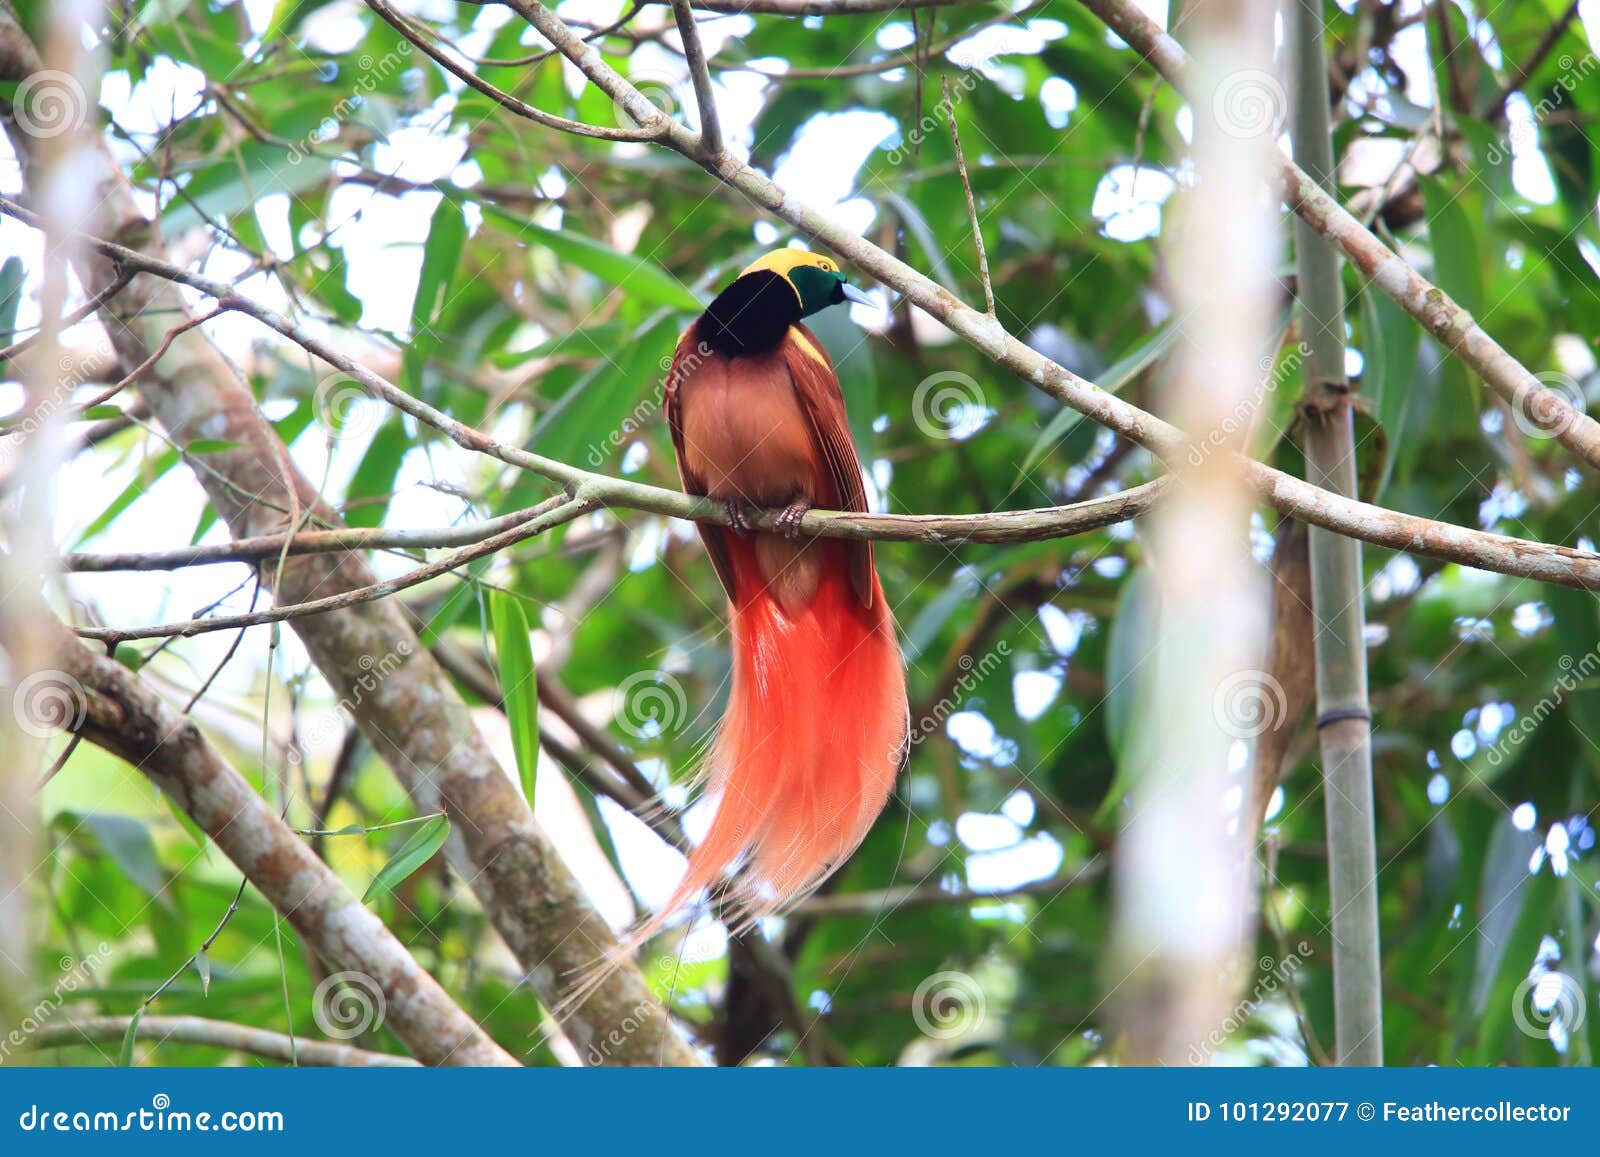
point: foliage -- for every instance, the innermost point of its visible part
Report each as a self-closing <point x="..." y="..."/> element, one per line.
<point x="548" y="279"/>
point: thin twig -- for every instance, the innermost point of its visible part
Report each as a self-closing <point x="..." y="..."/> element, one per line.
<point x="1530" y="64"/>
<point x="189" y="627"/>
<point x="92" y="305"/>
<point x="651" y="129"/>
<point x="307" y="542"/>
<point x="972" y="205"/>
<point x="700" y="74"/>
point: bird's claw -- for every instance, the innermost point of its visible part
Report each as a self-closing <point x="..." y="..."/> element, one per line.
<point x="788" y="521"/>
<point x="737" y="518"/>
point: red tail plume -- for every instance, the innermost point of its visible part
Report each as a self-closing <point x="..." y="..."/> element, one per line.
<point x="807" y="754"/>
<point x="813" y="738"/>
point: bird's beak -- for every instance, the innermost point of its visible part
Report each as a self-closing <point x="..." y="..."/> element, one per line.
<point x="851" y="293"/>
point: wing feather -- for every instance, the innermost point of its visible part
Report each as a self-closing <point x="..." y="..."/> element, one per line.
<point x="823" y="402"/>
<point x="685" y="359"/>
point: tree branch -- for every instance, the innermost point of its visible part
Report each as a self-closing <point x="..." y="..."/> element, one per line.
<point x="564" y="513"/>
<point x="413" y="716"/>
<point x="307" y="542"/>
<point x="1449" y="324"/>
<point x="222" y="1034"/>
<point x="700" y="74"/>
<point x="945" y="529"/>
<point x="1288" y="495"/>
<point x="649" y="131"/>
<point x="1530" y="64"/>
<point x="122" y="715"/>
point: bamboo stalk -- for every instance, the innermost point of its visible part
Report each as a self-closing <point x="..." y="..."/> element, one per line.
<point x="1343" y="713"/>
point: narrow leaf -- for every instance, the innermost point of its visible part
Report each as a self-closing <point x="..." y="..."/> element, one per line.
<point x="642" y="280"/>
<point x="418" y="849"/>
<point x="519" y="685"/>
<point x="10" y="297"/>
<point x="125" y="1057"/>
<point x="1112" y="381"/>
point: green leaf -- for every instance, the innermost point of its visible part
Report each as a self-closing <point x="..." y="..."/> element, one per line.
<point x="372" y="485"/>
<point x="99" y="413"/>
<point x="127" y="841"/>
<point x="210" y="446"/>
<point x="125" y="1056"/>
<point x="441" y="257"/>
<point x="11" y="277"/>
<point x="129" y="656"/>
<point x="642" y="280"/>
<point x="1112" y="381"/>
<point x="1133" y="636"/>
<point x="419" y="848"/>
<point x="519" y="684"/>
<point x="237" y="180"/>
<point x="608" y="404"/>
<point x="1457" y="267"/>
<point x="1391" y="343"/>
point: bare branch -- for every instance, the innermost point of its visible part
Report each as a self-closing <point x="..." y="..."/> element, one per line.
<point x="1002" y="526"/>
<point x="88" y="308"/>
<point x="966" y="186"/>
<point x="888" y="901"/>
<point x="700" y="74"/>
<point x="564" y="513"/>
<point x="307" y="542"/>
<point x="222" y="1034"/>
<point x="1530" y="63"/>
<point x="650" y="130"/>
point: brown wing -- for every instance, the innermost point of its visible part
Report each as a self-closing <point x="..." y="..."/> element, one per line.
<point x="685" y="360"/>
<point x="823" y="402"/>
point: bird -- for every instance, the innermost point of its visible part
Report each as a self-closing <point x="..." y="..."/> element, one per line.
<point x="816" y="726"/>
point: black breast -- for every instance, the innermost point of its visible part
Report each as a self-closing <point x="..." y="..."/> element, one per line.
<point x="751" y="316"/>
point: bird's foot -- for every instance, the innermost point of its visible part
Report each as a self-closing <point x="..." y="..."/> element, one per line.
<point x="738" y="515"/>
<point x="788" y="521"/>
